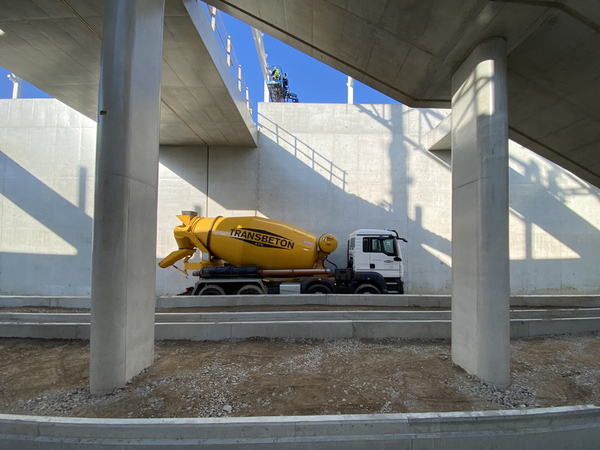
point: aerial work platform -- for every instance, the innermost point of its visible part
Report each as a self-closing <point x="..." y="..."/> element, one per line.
<point x="277" y="84"/>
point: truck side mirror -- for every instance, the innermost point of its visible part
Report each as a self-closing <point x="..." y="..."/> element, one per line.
<point x="397" y="258"/>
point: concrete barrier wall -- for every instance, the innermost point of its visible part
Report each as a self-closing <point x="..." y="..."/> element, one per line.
<point x="564" y="428"/>
<point x="324" y="168"/>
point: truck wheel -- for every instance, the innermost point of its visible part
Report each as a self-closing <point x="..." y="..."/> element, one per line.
<point x="318" y="289"/>
<point x="367" y="289"/>
<point x="250" y="289"/>
<point x="211" y="289"/>
<point x="188" y="291"/>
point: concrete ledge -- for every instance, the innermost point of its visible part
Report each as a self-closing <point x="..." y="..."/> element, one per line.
<point x="576" y="301"/>
<point x="275" y="316"/>
<point x="19" y="301"/>
<point x="539" y="327"/>
<point x="45" y="330"/>
<point x="306" y="330"/>
<point x="324" y="328"/>
<point x="408" y="300"/>
<point x="302" y="316"/>
<point x="554" y="313"/>
<point x="549" y="428"/>
<point x="243" y="330"/>
<point x="301" y="299"/>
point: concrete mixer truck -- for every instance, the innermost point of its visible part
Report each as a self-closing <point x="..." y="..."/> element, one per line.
<point x="255" y="255"/>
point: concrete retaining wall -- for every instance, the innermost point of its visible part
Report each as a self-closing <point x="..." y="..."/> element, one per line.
<point x="324" y="168"/>
<point x="564" y="428"/>
<point x="47" y="176"/>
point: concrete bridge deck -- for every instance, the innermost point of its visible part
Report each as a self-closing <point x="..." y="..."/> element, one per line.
<point x="409" y="50"/>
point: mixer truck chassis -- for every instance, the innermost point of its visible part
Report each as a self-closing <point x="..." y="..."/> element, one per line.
<point x="247" y="282"/>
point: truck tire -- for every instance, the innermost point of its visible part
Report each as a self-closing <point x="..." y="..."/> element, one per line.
<point x="188" y="291"/>
<point x="318" y="288"/>
<point x="250" y="289"/>
<point x="367" y="288"/>
<point x="212" y="289"/>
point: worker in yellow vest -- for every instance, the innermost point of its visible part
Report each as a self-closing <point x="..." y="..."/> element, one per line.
<point x="276" y="74"/>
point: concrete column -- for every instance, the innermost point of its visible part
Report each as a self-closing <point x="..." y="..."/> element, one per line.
<point x="480" y="261"/>
<point x="124" y="245"/>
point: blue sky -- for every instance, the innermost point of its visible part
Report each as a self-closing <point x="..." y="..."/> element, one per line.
<point x="6" y="88"/>
<point x="311" y="80"/>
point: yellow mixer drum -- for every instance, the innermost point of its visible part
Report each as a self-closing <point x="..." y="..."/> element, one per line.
<point x="252" y="241"/>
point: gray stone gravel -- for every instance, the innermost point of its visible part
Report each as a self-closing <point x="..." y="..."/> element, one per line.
<point x="59" y="404"/>
<point x="210" y="385"/>
<point x="515" y="396"/>
<point x="207" y="390"/>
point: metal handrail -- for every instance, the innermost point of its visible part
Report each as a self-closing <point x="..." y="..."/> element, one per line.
<point x="230" y="52"/>
<point x="303" y="152"/>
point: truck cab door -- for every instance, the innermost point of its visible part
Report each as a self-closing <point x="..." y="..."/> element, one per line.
<point x="382" y="256"/>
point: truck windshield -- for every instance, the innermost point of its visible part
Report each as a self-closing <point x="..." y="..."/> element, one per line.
<point x="388" y="247"/>
<point x="379" y="245"/>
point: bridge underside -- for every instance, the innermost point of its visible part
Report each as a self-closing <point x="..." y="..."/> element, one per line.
<point x="56" y="47"/>
<point x="409" y="49"/>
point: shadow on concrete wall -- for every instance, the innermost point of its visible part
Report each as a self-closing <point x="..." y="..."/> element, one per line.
<point x="36" y="270"/>
<point x="560" y="245"/>
<point x="177" y="160"/>
<point x="306" y="154"/>
<point x="321" y="205"/>
<point x="427" y="253"/>
<point x="560" y="248"/>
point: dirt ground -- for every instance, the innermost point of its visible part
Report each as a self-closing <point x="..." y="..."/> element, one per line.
<point x="261" y="377"/>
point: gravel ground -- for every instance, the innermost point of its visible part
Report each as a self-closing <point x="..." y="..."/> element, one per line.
<point x="260" y="377"/>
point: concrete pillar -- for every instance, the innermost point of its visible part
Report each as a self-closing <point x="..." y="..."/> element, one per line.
<point x="480" y="260"/>
<point x="124" y="245"/>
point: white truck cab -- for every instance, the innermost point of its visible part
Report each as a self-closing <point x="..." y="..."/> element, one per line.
<point x="371" y="250"/>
